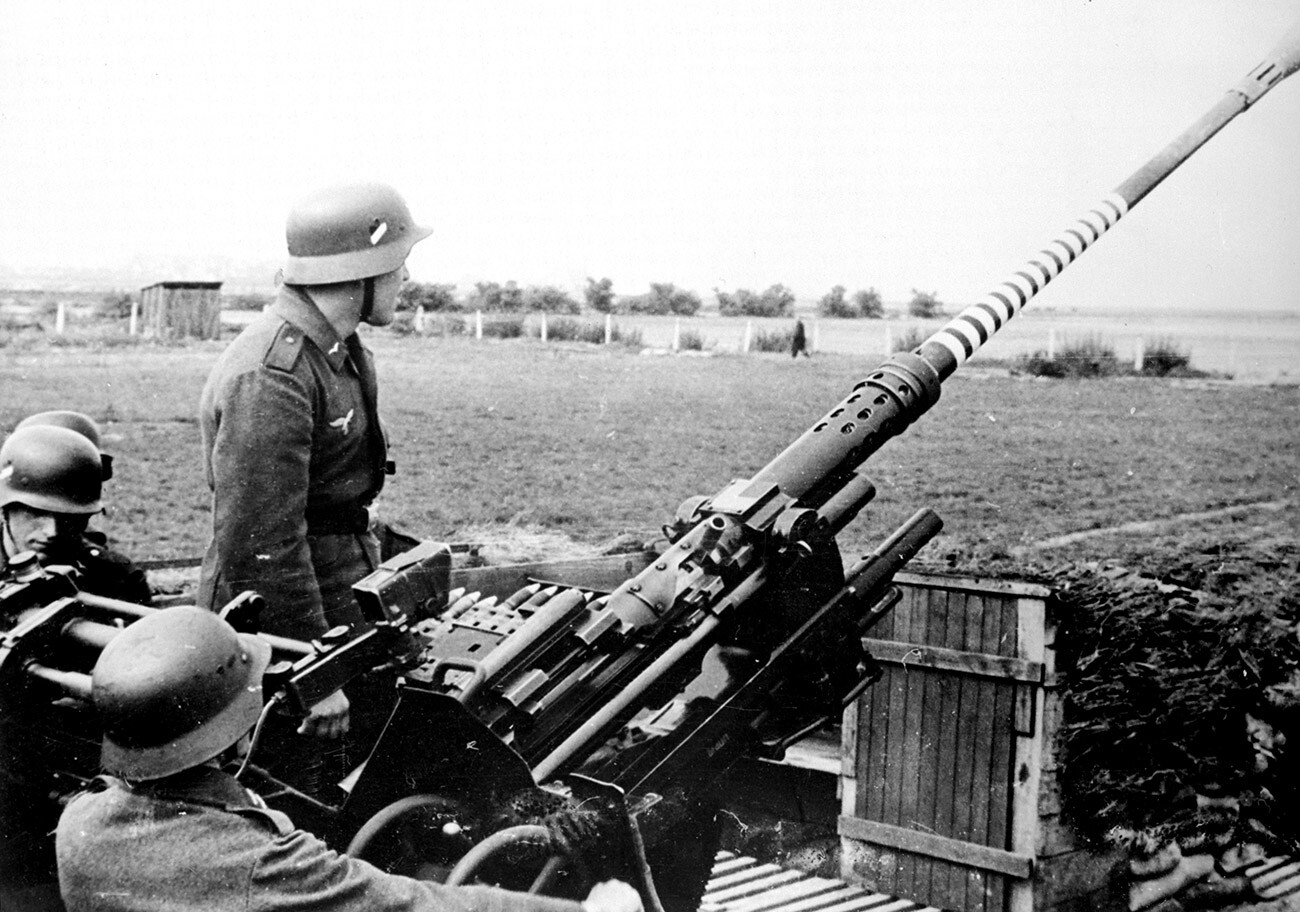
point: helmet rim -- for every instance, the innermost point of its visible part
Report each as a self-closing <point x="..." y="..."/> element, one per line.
<point x="136" y="761"/>
<point x="348" y="232"/>
<point x="51" y="468"/>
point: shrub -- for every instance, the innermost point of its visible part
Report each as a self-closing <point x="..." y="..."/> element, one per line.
<point x="246" y="301"/>
<point x="549" y="299"/>
<point x="432" y="297"/>
<point x="1089" y="357"/>
<point x="510" y="327"/>
<point x="496" y="298"/>
<point x="663" y="298"/>
<point x="599" y="294"/>
<point x="924" y="304"/>
<point x="403" y="323"/>
<point x="447" y="325"/>
<point x="562" y="329"/>
<point x="776" y="301"/>
<point x="630" y="338"/>
<point x="869" y="304"/>
<point x="115" y="306"/>
<point x="690" y="340"/>
<point x="834" y="304"/>
<point x="1163" y="358"/>
<point x="908" y="340"/>
<point x="775" y="341"/>
<point x="565" y="329"/>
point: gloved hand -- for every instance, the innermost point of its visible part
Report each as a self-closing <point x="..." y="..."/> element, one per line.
<point x="328" y="718"/>
<point x="612" y="896"/>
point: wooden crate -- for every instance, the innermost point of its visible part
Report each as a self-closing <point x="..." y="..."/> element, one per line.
<point x="948" y="784"/>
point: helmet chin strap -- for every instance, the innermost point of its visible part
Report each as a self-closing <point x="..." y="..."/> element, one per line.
<point x="367" y="298"/>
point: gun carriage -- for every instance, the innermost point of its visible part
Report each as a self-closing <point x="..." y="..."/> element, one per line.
<point x="581" y="725"/>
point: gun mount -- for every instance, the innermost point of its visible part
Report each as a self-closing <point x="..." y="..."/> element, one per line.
<point x="743" y="634"/>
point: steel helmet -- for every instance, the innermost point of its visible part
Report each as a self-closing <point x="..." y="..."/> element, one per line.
<point x="174" y="690"/>
<point x="73" y="421"/>
<point x="349" y="232"/>
<point x="52" y="469"/>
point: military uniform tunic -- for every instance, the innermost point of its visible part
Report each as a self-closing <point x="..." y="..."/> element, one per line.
<point x="294" y="454"/>
<point x="200" y="841"/>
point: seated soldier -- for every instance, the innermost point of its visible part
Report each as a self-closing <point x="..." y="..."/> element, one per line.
<point x="177" y="692"/>
<point x="51" y="481"/>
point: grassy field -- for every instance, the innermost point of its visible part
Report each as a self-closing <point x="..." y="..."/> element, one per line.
<point x="592" y="443"/>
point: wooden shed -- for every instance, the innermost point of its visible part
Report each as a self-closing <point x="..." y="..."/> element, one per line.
<point x="181" y="309"/>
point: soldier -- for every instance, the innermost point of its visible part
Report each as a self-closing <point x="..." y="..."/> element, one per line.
<point x="51" y="482"/>
<point x="293" y="448"/>
<point x="168" y="829"/>
<point x="799" y="341"/>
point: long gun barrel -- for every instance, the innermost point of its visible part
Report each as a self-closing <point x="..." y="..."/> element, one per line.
<point x="727" y="545"/>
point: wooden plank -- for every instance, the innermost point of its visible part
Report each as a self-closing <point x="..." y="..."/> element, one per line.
<point x="752" y="886"/>
<point x="981" y="858"/>
<point x="1031" y="636"/>
<point x="732" y="863"/>
<point x="907" y="864"/>
<point x="981" y="636"/>
<point x="849" y="738"/>
<point x="817" y="903"/>
<point x="748" y="873"/>
<point x="889" y="652"/>
<point x="1001" y="770"/>
<point x="804" y="888"/>
<point x="896" y="770"/>
<point x="928" y="771"/>
<point x="973" y="584"/>
<point x="950" y="881"/>
<point x="873" y="762"/>
<point x="968" y="713"/>
<point x="871" y="902"/>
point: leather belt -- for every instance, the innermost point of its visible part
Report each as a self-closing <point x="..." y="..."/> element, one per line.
<point x="338" y="519"/>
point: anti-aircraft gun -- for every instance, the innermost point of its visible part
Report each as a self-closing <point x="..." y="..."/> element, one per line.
<point x="582" y="722"/>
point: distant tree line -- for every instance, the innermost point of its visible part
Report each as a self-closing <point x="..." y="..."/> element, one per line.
<point x="663" y="299"/>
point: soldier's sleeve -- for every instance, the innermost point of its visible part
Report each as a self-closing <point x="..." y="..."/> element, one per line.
<point x="299" y="872"/>
<point x="259" y="462"/>
<point x="106" y="572"/>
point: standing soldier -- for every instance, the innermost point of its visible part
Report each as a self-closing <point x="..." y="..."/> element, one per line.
<point x="799" y="341"/>
<point x="293" y="448"/>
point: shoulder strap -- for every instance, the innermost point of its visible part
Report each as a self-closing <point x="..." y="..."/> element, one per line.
<point x="285" y="348"/>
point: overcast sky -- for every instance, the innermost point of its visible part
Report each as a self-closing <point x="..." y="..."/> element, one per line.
<point x="895" y="145"/>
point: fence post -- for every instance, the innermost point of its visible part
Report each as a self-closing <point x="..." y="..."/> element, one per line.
<point x="60" y="318"/>
<point x="749" y="336"/>
<point x="889" y="340"/>
<point x="1139" y="355"/>
<point x="543" y="326"/>
<point x="478" y="324"/>
<point x="677" y="333"/>
<point x="609" y="328"/>
<point x="419" y="320"/>
<point x="135" y="318"/>
<point x="816" y="338"/>
<point x="1051" y="344"/>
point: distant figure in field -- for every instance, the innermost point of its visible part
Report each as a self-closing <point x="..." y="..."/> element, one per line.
<point x="799" y="342"/>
